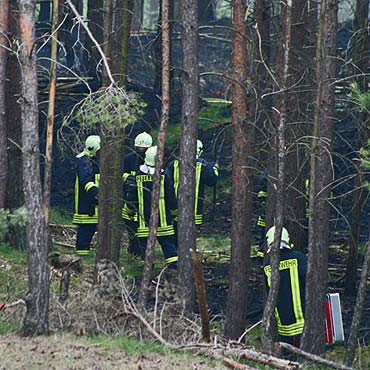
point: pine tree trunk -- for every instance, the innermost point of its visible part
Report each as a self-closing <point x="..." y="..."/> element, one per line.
<point x="14" y="186"/>
<point x="4" y="9"/>
<point x="236" y="309"/>
<point x="37" y="298"/>
<point x="154" y="211"/>
<point x="51" y="112"/>
<point x="282" y="78"/>
<point x="360" y="57"/>
<point x="321" y="177"/>
<point x="190" y="114"/>
<point x="360" y="301"/>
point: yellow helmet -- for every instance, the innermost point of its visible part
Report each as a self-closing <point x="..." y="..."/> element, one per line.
<point x="150" y="155"/>
<point x="143" y="140"/>
<point x="92" y="145"/>
<point x="270" y="235"/>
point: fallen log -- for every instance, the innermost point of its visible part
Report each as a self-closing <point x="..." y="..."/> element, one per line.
<point x="229" y="362"/>
<point x="314" y="358"/>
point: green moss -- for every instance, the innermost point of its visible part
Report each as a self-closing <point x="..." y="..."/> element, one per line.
<point x="60" y="217"/>
<point x="7" y="326"/>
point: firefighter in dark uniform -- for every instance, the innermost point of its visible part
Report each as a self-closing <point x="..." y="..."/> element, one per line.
<point x="290" y="308"/>
<point x="131" y="163"/>
<point x="138" y="200"/>
<point x="205" y="175"/>
<point x="86" y="194"/>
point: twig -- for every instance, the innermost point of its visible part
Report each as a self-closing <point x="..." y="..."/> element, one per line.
<point x="63" y="244"/>
<point x="81" y="21"/>
<point x="248" y="330"/>
<point x="314" y="358"/>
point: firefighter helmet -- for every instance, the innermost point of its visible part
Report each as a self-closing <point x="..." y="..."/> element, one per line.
<point x="143" y="140"/>
<point x="199" y="148"/>
<point x="150" y="155"/>
<point x="92" y="145"/>
<point x="270" y="235"/>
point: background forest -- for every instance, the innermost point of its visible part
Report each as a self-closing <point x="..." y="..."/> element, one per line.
<point x="278" y="92"/>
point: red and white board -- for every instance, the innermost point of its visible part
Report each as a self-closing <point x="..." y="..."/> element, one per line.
<point x="334" y="325"/>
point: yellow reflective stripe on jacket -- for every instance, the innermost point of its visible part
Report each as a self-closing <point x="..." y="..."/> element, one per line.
<point x="89" y="185"/>
<point x="162" y="206"/>
<point x="296" y="293"/>
<point x="198" y="172"/>
<point x="171" y="259"/>
<point x="140" y="198"/>
<point x="215" y="169"/>
<point x="176" y="176"/>
<point x="77" y="189"/>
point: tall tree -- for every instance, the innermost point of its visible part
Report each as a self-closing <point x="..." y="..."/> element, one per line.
<point x="236" y="310"/>
<point x="281" y="101"/>
<point x="4" y="9"/>
<point x="321" y="177"/>
<point x="360" y="301"/>
<point x="297" y="127"/>
<point x="37" y="299"/>
<point x="360" y="58"/>
<point x="190" y="114"/>
<point x="154" y="211"/>
<point x="51" y="111"/>
<point x="14" y="187"/>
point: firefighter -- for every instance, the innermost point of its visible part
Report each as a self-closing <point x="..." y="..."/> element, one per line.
<point x="131" y="163"/>
<point x="138" y="200"/>
<point x="86" y="194"/>
<point x="205" y="175"/>
<point x="290" y="308"/>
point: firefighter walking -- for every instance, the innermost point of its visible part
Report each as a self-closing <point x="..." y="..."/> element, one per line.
<point x="86" y="194"/>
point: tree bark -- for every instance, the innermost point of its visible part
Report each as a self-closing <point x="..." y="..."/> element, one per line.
<point x="236" y="309"/>
<point x="360" y="301"/>
<point x="154" y="211"/>
<point x="360" y="57"/>
<point x="321" y="176"/>
<point x="190" y="114"/>
<point x="4" y="44"/>
<point x="285" y="34"/>
<point x="14" y="187"/>
<point x="37" y="298"/>
<point x="51" y="111"/>
<point x="298" y="102"/>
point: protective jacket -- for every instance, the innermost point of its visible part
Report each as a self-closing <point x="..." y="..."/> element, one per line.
<point x="86" y="191"/>
<point x="290" y="308"/>
<point x="138" y="201"/>
<point x="131" y="163"/>
<point x="205" y="175"/>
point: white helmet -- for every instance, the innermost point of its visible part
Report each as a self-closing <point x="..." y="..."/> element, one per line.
<point x="270" y="235"/>
<point x="92" y="145"/>
<point x="199" y="148"/>
<point x="143" y="140"/>
<point x="150" y="155"/>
